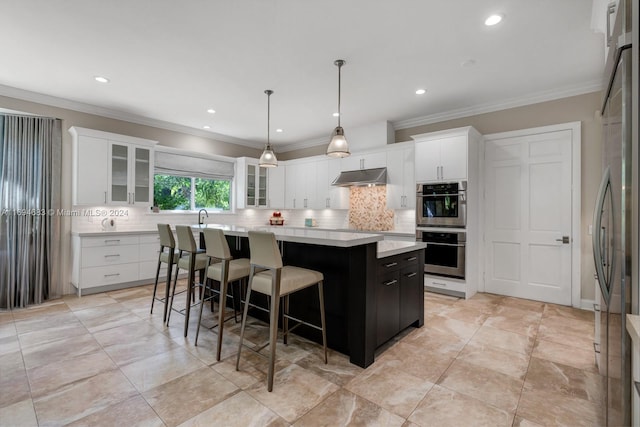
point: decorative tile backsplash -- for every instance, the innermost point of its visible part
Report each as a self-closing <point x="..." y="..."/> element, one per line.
<point x="368" y="209"/>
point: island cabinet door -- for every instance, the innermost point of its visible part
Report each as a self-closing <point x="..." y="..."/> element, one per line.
<point x="387" y="306"/>
<point x="411" y="296"/>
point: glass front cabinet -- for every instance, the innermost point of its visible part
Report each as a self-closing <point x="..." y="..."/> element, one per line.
<point x="111" y="169"/>
<point x="252" y="184"/>
<point x="130" y="174"/>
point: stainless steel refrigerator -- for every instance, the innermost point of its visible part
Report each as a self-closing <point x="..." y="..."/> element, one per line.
<point x="615" y="226"/>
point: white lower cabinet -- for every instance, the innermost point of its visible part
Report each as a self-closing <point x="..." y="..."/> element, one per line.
<point x="114" y="261"/>
<point x="148" y="251"/>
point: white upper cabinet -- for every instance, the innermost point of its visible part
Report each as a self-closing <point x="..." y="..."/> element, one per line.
<point x="90" y="182"/>
<point x="251" y="184"/>
<point x="275" y="187"/>
<point x="364" y="161"/>
<point x="401" y="183"/>
<point x="443" y="156"/>
<point x="111" y="169"/>
<point x="130" y="174"/>
<point x="327" y="195"/>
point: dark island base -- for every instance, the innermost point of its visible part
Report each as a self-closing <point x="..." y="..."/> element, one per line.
<point x="365" y="306"/>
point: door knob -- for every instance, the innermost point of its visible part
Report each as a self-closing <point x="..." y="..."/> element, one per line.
<point x="564" y="240"/>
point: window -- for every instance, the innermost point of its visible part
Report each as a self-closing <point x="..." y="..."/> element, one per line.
<point x="171" y="192"/>
<point x="190" y="181"/>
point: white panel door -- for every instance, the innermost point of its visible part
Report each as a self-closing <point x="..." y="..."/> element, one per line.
<point x="527" y="213"/>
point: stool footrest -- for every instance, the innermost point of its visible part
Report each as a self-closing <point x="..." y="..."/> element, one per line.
<point x="301" y="322"/>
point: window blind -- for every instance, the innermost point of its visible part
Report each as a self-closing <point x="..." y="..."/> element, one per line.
<point x="186" y="164"/>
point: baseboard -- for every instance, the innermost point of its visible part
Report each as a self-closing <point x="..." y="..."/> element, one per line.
<point x="587" y="304"/>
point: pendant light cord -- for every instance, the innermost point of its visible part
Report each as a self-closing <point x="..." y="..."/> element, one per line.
<point x="268" y="92"/>
<point x="339" y="68"/>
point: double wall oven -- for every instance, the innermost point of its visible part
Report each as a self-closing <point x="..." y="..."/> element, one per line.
<point x="441" y="218"/>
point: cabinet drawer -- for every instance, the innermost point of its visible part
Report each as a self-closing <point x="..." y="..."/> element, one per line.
<point x="148" y="270"/>
<point x="150" y="238"/>
<point x="110" y="274"/>
<point x="90" y="242"/>
<point x="396" y="262"/>
<point x="149" y="252"/>
<point x="440" y="283"/>
<point x="109" y="255"/>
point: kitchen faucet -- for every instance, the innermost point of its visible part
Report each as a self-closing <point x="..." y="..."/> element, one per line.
<point x="200" y="219"/>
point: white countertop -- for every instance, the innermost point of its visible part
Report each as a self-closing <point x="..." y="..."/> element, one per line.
<point x="316" y="236"/>
<point x="395" y="247"/>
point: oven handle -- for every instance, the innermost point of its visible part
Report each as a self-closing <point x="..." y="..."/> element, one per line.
<point x="460" y="193"/>
<point x="457" y="245"/>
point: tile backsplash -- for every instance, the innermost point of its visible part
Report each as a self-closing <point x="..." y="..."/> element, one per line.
<point x="132" y="219"/>
<point x="368" y="209"/>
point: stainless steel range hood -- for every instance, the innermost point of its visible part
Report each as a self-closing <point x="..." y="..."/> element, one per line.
<point x="361" y="177"/>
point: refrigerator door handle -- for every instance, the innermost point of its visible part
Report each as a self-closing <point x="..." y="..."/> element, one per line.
<point x="598" y="238"/>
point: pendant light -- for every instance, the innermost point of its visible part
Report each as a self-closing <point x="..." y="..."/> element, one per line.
<point x="338" y="146"/>
<point x="268" y="157"/>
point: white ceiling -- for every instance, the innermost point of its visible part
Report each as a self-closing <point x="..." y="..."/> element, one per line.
<point x="171" y="60"/>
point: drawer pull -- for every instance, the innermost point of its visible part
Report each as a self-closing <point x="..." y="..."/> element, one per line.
<point x="112" y="240"/>
<point x="391" y="264"/>
<point x="596" y="307"/>
<point x="411" y="274"/>
<point x="596" y="347"/>
<point x="112" y="256"/>
<point x="413" y="258"/>
<point x="390" y="282"/>
<point x="111" y="275"/>
<point x="439" y="284"/>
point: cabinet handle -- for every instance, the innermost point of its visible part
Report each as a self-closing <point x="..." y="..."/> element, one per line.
<point x="439" y="284"/>
<point x="327" y="203"/>
<point x="596" y="307"/>
<point x="412" y="274"/>
<point x="112" y="256"/>
<point x="111" y="240"/>
<point x="294" y="203"/>
<point x="305" y="202"/>
<point x="111" y="275"/>
<point x="105" y="197"/>
<point x="413" y="258"/>
<point x="390" y="282"/>
<point x="361" y="163"/>
<point x="596" y="347"/>
<point x="391" y="264"/>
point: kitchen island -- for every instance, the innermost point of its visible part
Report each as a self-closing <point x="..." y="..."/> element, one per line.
<point x="373" y="288"/>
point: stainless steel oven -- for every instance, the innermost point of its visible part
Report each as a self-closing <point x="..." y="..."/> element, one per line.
<point x="441" y="204"/>
<point x="445" y="252"/>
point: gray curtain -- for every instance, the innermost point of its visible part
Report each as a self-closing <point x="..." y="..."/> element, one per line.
<point x="30" y="158"/>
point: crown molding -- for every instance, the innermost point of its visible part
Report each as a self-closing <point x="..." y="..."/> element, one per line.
<point x="549" y="95"/>
<point x="302" y="144"/>
<point x="54" y="101"/>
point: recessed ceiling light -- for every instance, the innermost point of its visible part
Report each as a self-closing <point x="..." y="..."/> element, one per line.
<point x="336" y="114"/>
<point x="493" y="20"/>
<point x="101" y="79"/>
<point x="279" y="130"/>
<point x="420" y="92"/>
<point x="211" y="111"/>
<point x="206" y="127"/>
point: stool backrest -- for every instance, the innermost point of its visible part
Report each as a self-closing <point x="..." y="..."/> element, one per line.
<point x="216" y="243"/>
<point x="264" y="249"/>
<point x="166" y="236"/>
<point x="186" y="241"/>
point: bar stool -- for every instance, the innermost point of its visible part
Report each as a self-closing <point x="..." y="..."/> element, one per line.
<point x="195" y="259"/>
<point x="277" y="281"/>
<point x="169" y="256"/>
<point x="226" y="270"/>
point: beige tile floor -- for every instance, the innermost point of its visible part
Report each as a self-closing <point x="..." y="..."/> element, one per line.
<point x="104" y="360"/>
